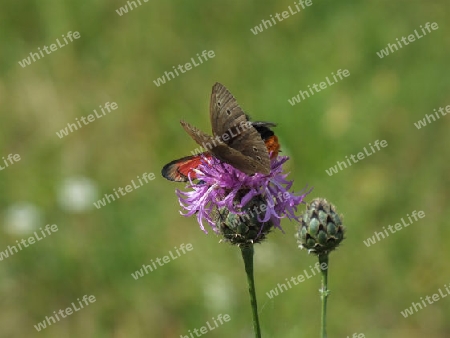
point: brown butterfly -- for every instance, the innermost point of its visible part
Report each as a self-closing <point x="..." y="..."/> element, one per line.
<point x="237" y="141"/>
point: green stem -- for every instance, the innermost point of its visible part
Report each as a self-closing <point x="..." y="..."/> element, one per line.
<point x="324" y="292"/>
<point x="247" y="254"/>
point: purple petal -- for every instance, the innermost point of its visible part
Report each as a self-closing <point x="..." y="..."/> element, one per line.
<point x="221" y="183"/>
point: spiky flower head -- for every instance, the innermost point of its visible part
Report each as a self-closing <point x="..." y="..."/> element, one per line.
<point x="321" y="229"/>
<point x="243" y="227"/>
<point x="241" y="207"/>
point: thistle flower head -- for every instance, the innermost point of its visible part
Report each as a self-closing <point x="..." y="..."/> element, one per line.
<point x="240" y="206"/>
<point x="321" y="229"/>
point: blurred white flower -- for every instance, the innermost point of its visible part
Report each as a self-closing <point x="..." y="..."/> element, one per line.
<point x="22" y="218"/>
<point x="77" y="194"/>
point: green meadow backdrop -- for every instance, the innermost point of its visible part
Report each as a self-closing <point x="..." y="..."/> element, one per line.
<point x="117" y="58"/>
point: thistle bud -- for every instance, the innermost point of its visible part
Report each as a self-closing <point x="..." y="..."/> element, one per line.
<point x="321" y="229"/>
<point x="244" y="227"/>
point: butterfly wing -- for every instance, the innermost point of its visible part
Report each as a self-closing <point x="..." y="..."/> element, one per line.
<point x="180" y="170"/>
<point x="243" y="147"/>
<point x="224" y="111"/>
<point x="246" y="164"/>
<point x="200" y="137"/>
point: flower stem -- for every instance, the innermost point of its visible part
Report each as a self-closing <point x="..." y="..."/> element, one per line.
<point x="247" y="254"/>
<point x="324" y="292"/>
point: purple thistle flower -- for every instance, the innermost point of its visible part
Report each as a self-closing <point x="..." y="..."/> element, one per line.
<point x="221" y="186"/>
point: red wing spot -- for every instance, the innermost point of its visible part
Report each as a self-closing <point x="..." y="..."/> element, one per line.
<point x="187" y="168"/>
<point x="180" y="170"/>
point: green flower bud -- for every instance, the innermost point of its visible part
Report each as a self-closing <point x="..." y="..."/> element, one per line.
<point x="245" y="228"/>
<point x="321" y="229"/>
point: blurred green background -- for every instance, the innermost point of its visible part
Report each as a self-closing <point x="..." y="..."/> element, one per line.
<point x="116" y="59"/>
